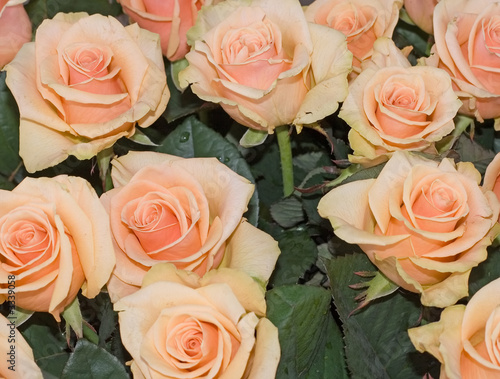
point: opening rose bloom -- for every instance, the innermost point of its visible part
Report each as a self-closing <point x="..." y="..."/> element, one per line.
<point x="181" y="326"/>
<point x="467" y="46"/>
<point x="84" y="83"/>
<point x="362" y="22"/>
<point x="22" y="359"/>
<point x="424" y="224"/>
<point x="15" y="29"/>
<point x="465" y="339"/>
<point x="266" y="67"/>
<point x="54" y="239"/>
<point x="185" y="211"/>
<point x="395" y="106"/>
<point x="492" y="176"/>
<point x="421" y="13"/>
<point x="170" y="19"/>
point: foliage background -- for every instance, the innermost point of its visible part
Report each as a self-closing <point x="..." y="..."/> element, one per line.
<point x="309" y="297"/>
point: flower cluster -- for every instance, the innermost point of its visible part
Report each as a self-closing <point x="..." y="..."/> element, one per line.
<point x="121" y="178"/>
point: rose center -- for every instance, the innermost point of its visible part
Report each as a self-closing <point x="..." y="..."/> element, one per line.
<point x="243" y="44"/>
<point x="491" y="32"/>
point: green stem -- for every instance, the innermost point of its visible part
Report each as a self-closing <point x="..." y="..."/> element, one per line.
<point x="286" y="159"/>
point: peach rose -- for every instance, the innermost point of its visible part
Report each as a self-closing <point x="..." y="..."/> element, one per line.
<point x="181" y="326"/>
<point x="20" y="358"/>
<point x="185" y="211"/>
<point x="492" y="176"/>
<point x="15" y="29"/>
<point x="395" y="106"/>
<point x="54" y="239"/>
<point x="362" y="22"/>
<point x="424" y="224"/>
<point x="465" y="339"/>
<point x="421" y="12"/>
<point x="170" y="19"/>
<point x="467" y="47"/>
<point x="83" y="84"/>
<point x="266" y="67"/>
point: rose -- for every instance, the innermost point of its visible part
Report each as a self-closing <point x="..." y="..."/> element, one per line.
<point x="397" y="106"/>
<point x="181" y="326"/>
<point x="20" y="358"/>
<point x="492" y="176"/>
<point x="171" y="20"/>
<point x="83" y="84"/>
<point x="424" y="224"/>
<point x="265" y="69"/>
<point x="185" y="211"/>
<point x="15" y="29"/>
<point x="420" y="12"/>
<point x="465" y="339"/>
<point x="54" y="240"/>
<point x="362" y="22"/>
<point x="467" y="47"/>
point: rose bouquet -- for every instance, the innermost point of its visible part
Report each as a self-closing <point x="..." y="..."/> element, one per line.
<point x="249" y="189"/>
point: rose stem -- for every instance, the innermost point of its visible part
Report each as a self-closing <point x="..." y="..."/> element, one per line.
<point x="282" y="132"/>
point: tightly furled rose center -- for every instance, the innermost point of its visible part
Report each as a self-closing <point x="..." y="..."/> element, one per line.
<point x="161" y="219"/>
<point x="350" y="19"/>
<point x="402" y="98"/>
<point x="257" y="46"/>
<point x="25" y="236"/>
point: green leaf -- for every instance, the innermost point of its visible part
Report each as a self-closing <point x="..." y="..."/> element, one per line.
<point x="311" y="346"/>
<point x="20" y="316"/>
<point x="89" y="361"/>
<point x="5" y="183"/>
<point x="471" y="151"/>
<point x="38" y="10"/>
<point x="253" y="138"/>
<point x="486" y="271"/>
<point x="47" y="342"/>
<point x="9" y="130"/>
<point x="376" y="338"/>
<point x="298" y="253"/>
<point x="192" y="138"/>
<point x="287" y="212"/>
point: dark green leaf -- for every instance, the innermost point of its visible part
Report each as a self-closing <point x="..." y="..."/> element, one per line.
<point x="47" y="342"/>
<point x="9" y="130"/>
<point x="486" y="271"/>
<point x="194" y="139"/>
<point x="287" y="212"/>
<point x="298" y="253"/>
<point x="376" y="338"/>
<point x="89" y="361"/>
<point x="5" y="183"/>
<point x="471" y="151"/>
<point x="311" y="347"/>
<point x="38" y="10"/>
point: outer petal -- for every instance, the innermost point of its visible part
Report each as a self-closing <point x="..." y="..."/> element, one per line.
<point x="331" y="62"/>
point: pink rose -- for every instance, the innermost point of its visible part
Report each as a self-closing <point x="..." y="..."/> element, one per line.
<point x="170" y="19"/>
<point x="424" y="224"/>
<point x="22" y="360"/>
<point x="264" y="68"/>
<point x="84" y="83"/>
<point x="362" y="22"/>
<point x="467" y="47"/>
<point x="181" y="326"/>
<point x="492" y="176"/>
<point x="421" y="12"/>
<point x="465" y="339"/>
<point x="184" y="211"/>
<point x="15" y="29"/>
<point x="394" y="106"/>
<point x="54" y="241"/>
